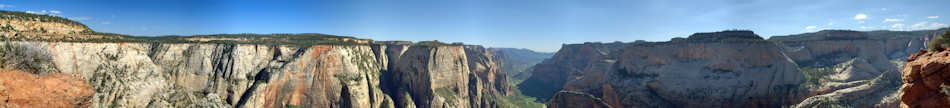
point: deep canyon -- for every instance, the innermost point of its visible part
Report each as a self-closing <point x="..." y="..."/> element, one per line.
<point x="74" y="66"/>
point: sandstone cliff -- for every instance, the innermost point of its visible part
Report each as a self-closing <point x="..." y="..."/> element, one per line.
<point x="722" y="69"/>
<point x="250" y="70"/>
<point x="823" y="69"/>
<point x="924" y="77"/>
<point x="852" y="68"/>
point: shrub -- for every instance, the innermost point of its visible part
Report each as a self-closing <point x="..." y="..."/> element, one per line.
<point x="939" y="43"/>
<point x="26" y="57"/>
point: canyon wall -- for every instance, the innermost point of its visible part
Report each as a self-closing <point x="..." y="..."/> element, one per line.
<point x="244" y="75"/>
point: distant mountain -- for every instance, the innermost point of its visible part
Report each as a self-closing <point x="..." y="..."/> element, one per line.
<point x="831" y="68"/>
<point x="516" y="62"/>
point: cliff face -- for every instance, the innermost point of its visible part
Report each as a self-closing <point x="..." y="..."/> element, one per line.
<point x="924" y="79"/>
<point x="734" y="69"/>
<point x="851" y="68"/>
<point x="827" y="68"/>
<point x="571" y="62"/>
<point x="244" y="75"/>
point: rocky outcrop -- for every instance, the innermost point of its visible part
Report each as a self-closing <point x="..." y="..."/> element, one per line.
<point x="924" y="79"/>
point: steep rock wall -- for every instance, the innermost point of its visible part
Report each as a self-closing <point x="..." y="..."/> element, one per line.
<point x="247" y="75"/>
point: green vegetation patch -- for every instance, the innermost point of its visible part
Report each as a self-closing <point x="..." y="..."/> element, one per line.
<point x="449" y="95"/>
<point x="26" y="57"/>
<point x="940" y="42"/>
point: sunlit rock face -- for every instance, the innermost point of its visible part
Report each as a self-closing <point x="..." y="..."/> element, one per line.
<point x="852" y="68"/>
<point x="827" y="68"/>
<point x="925" y="80"/>
<point x="223" y="75"/>
<point x="244" y="75"/>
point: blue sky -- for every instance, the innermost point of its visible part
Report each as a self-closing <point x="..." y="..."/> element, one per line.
<point x="541" y="25"/>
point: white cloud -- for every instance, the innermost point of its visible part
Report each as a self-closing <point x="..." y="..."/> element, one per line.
<point x="933" y="17"/>
<point x="106" y="22"/>
<point x="79" y="18"/>
<point x="860" y="22"/>
<point x="831" y="23"/>
<point x="893" y="20"/>
<point x="6" y="6"/>
<point x="898" y="25"/>
<point x="54" y="11"/>
<point x="861" y="16"/>
<point x="31" y="12"/>
<point x="811" y="27"/>
<point x="927" y="25"/>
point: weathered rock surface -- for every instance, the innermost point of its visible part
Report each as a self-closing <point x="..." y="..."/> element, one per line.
<point x="925" y="80"/>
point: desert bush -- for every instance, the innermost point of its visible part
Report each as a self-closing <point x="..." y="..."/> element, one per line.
<point x="940" y="42"/>
<point x="27" y="57"/>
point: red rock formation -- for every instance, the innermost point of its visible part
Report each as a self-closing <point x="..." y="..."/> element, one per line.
<point x="27" y="90"/>
<point x="924" y="76"/>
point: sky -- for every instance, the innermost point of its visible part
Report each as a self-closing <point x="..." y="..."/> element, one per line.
<point x="541" y="25"/>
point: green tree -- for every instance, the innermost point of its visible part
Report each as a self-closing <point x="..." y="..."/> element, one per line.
<point x="939" y="43"/>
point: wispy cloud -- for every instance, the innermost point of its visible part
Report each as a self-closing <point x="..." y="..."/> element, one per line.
<point x="6" y="6"/>
<point x="893" y="20"/>
<point x="811" y="27"/>
<point x="54" y="11"/>
<point x="927" y="25"/>
<point x="933" y="17"/>
<point x="106" y="22"/>
<point x="860" y="16"/>
<point x="898" y="25"/>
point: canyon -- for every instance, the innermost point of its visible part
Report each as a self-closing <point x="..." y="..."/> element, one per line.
<point x="732" y="68"/>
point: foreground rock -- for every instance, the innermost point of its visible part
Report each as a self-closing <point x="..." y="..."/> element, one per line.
<point x="925" y="80"/>
<point x="26" y="90"/>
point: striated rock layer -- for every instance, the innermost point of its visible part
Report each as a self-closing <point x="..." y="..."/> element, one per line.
<point x="925" y="80"/>
<point x="247" y="75"/>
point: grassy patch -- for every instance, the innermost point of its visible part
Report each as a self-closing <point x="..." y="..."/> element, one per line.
<point x="815" y="75"/>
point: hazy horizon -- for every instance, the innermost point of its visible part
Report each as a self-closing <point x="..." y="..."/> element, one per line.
<point x="538" y="25"/>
